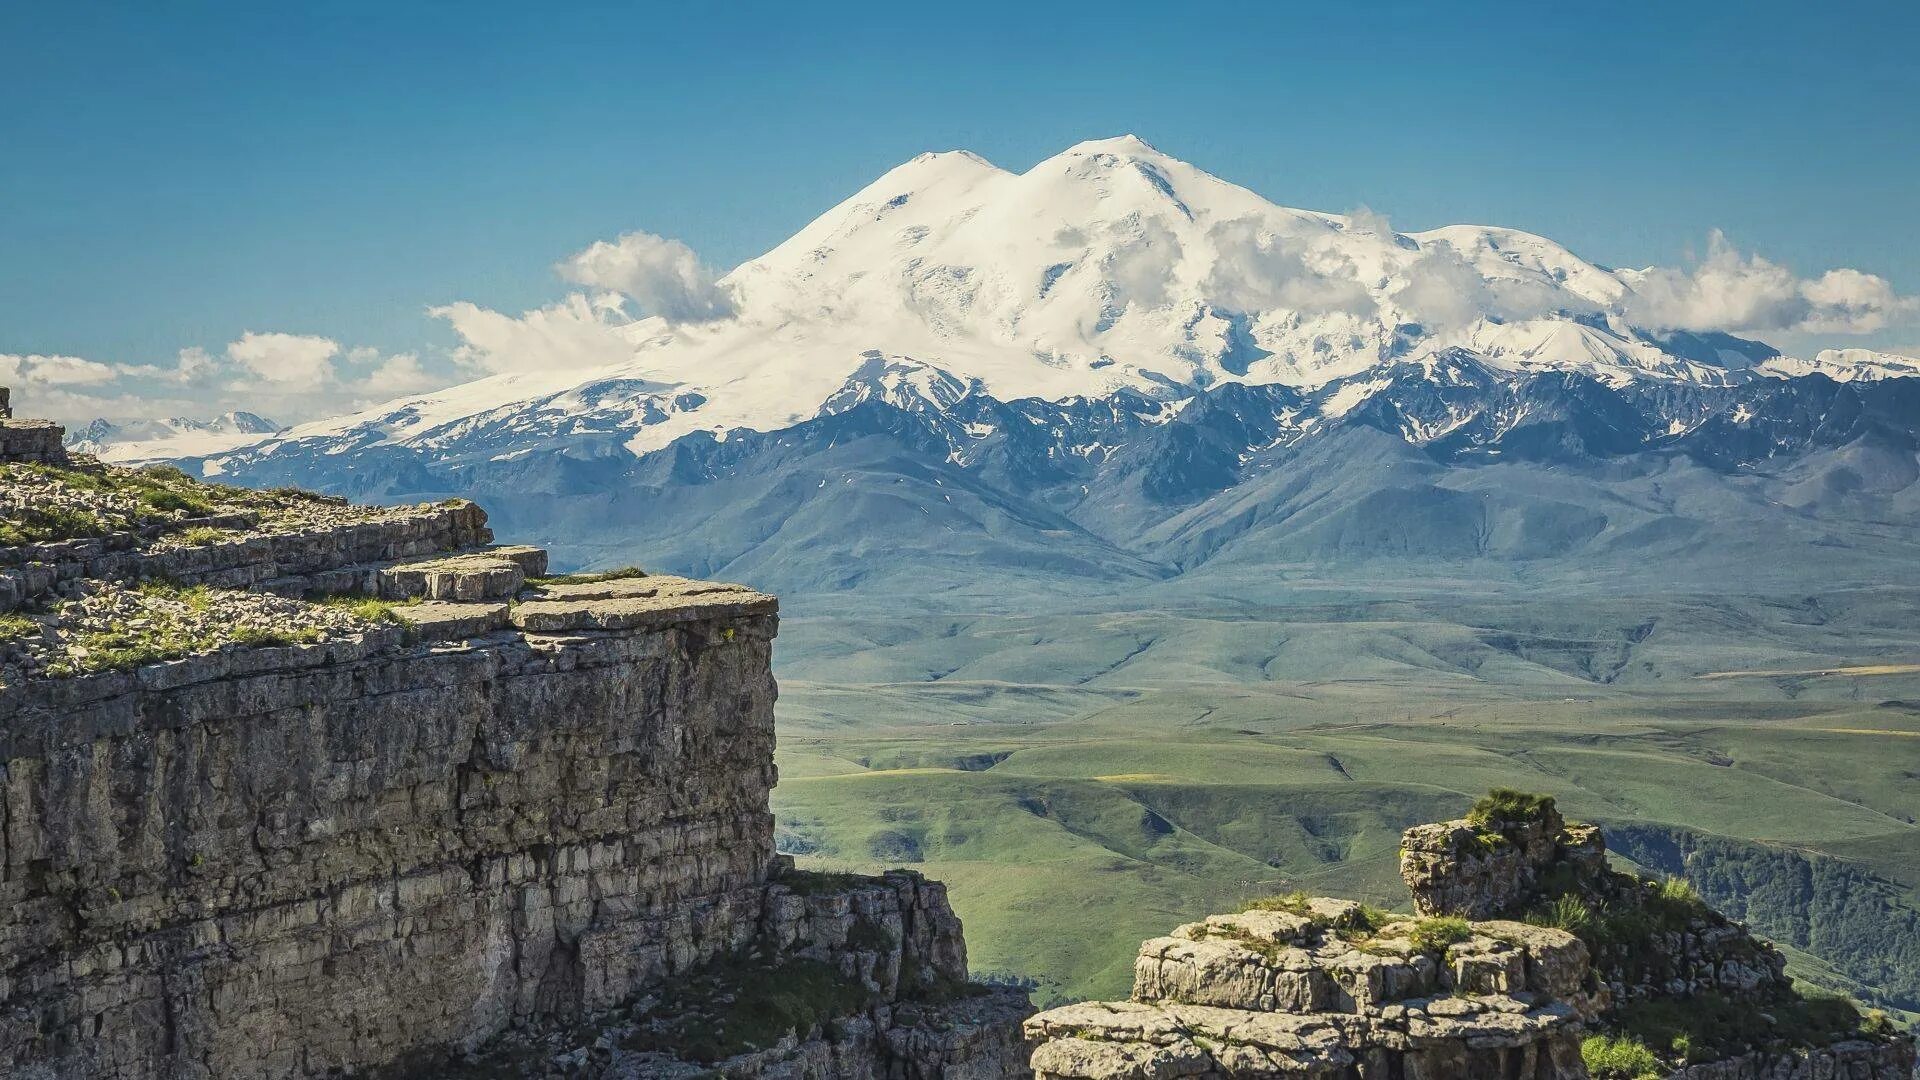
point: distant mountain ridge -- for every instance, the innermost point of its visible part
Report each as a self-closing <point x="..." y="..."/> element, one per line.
<point x="173" y="436"/>
<point x="1115" y="366"/>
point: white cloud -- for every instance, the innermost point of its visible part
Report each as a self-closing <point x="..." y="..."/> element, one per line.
<point x="34" y="370"/>
<point x="1259" y="270"/>
<point x="1745" y="293"/>
<point x="396" y="376"/>
<point x="289" y="377"/>
<point x="577" y="332"/>
<point x="1141" y="265"/>
<point x="289" y="361"/>
<point x="1442" y="289"/>
<point x="664" y="277"/>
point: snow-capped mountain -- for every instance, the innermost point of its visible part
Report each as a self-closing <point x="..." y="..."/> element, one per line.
<point x="1110" y="266"/>
<point x="1075" y="365"/>
<point x="175" y="436"/>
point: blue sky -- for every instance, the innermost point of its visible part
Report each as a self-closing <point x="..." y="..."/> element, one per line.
<point x="177" y="175"/>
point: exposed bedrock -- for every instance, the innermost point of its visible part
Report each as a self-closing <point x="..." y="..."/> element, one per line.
<point x="452" y="811"/>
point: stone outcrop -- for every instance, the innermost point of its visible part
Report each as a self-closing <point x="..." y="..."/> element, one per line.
<point x="1509" y="868"/>
<point x="1852" y="1059"/>
<point x="1528" y="952"/>
<point x="1324" y="988"/>
<point x="32" y="441"/>
<point x="29" y="441"/>
<point x="888" y="949"/>
<point x="461" y="808"/>
<point x="1498" y="867"/>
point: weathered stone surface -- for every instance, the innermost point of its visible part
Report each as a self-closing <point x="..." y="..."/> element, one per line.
<point x="1313" y="988"/>
<point x="1457" y="868"/>
<point x="302" y="868"/>
<point x="490" y="574"/>
<point x="436" y="620"/>
<point x="660" y="599"/>
<point x="1317" y="992"/>
<point x="1859" y="1059"/>
<point x="1493" y="871"/>
<point x="31" y="441"/>
<point x="894" y="935"/>
<point x="336" y="558"/>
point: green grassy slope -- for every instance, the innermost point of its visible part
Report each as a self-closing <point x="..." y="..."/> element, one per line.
<point x="1083" y="779"/>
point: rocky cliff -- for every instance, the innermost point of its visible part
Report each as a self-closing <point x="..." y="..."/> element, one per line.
<point x="290" y="788"/>
<point x="1528" y="959"/>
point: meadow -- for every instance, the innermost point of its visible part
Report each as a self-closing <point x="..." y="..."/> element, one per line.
<point x="1086" y="778"/>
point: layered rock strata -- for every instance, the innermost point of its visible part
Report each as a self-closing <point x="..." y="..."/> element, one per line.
<point x="1655" y="948"/>
<point x="456" y="804"/>
<point x="1324" y="990"/>
<point x="31" y="441"/>
<point x="294" y="860"/>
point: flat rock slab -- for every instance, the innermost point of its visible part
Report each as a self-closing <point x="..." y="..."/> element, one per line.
<point x="436" y="620"/>
<point x="661" y="601"/>
<point x="610" y="588"/>
<point x="494" y="573"/>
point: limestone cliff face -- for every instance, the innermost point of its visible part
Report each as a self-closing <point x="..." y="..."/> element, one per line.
<point x="460" y="837"/>
<point x="454" y="808"/>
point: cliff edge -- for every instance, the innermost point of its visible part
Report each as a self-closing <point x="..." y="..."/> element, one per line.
<point x="291" y="787"/>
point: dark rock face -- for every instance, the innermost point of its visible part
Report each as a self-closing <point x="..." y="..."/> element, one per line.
<point x="35" y="442"/>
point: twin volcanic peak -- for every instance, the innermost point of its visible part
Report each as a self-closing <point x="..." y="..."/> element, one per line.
<point x="299" y="788"/>
<point x="1110" y="267"/>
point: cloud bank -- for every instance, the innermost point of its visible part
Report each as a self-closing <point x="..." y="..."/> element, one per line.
<point x="575" y="333"/>
<point x="288" y="377"/>
<point x="1739" y="293"/>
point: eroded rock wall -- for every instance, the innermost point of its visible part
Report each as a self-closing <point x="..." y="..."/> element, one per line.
<point x="313" y="858"/>
<point x="890" y="944"/>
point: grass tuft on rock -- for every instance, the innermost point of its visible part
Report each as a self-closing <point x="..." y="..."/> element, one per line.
<point x="1435" y="934"/>
<point x="1293" y="903"/>
<point x="1507" y="806"/>
<point x="370" y="609"/>
<point x="200" y="536"/>
<point x="1617" y="1057"/>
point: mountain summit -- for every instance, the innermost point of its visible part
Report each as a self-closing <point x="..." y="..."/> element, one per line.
<point x="1110" y="266"/>
<point x="1114" y="367"/>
